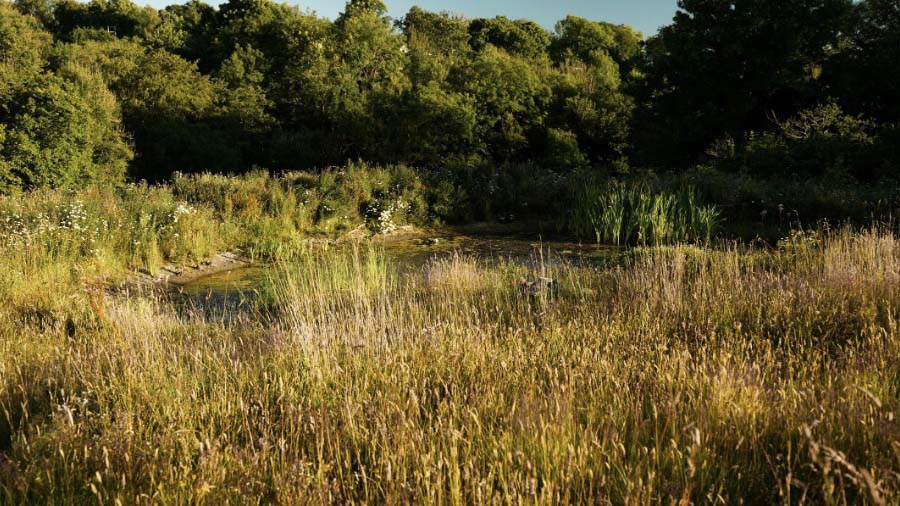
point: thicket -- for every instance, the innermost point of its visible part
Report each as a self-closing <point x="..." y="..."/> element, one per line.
<point x="95" y="93"/>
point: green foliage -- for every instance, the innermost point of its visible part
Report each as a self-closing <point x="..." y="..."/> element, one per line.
<point x="434" y="44"/>
<point x="63" y="133"/>
<point x="112" y="59"/>
<point x="768" y="207"/>
<point x="562" y="150"/>
<point x="42" y="10"/>
<point x="434" y="126"/>
<point x="511" y="98"/>
<point x="589" y="102"/>
<point x="165" y="87"/>
<point x="520" y="37"/>
<point x="632" y="214"/>
<point x="187" y="30"/>
<point x="121" y="18"/>
<point x="24" y="46"/>
<point x="257" y="83"/>
<point x="131" y="227"/>
<point x="363" y="8"/>
<point x="61" y="129"/>
<point x="591" y="42"/>
<point x="337" y="200"/>
<point x="818" y="141"/>
<point x="439" y="33"/>
<point x="864" y="74"/>
<point x="710" y="73"/>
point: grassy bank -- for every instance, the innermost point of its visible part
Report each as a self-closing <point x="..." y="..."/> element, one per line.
<point x="143" y="227"/>
<point x="139" y="226"/>
<point x="685" y="374"/>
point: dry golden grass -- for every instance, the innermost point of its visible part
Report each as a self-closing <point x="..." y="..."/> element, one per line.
<point x="686" y="375"/>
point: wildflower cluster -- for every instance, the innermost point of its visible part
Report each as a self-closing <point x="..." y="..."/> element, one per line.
<point x="168" y="230"/>
<point x="181" y="210"/>
<point x="801" y="240"/>
<point x="386" y="219"/>
<point x="57" y="228"/>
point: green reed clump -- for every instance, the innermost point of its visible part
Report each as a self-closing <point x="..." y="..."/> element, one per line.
<point x="622" y="213"/>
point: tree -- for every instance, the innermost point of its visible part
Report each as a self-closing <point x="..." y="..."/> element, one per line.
<point x="188" y="30"/>
<point x="562" y="150"/>
<point x="368" y="48"/>
<point x="356" y="8"/>
<point x="24" y="47"/>
<point x="589" y="103"/>
<point x="432" y="126"/>
<point x="42" y="10"/>
<point x="435" y="42"/>
<point x="112" y="59"/>
<point x="590" y="41"/>
<point x="819" y="141"/>
<point x="121" y="18"/>
<point x="176" y="114"/>
<point x="63" y="132"/>
<point x="511" y="98"/>
<point x="337" y="81"/>
<point x="865" y="76"/>
<point x="723" y="67"/>
<point x="264" y="25"/>
<point x="441" y="32"/>
<point x="520" y="37"/>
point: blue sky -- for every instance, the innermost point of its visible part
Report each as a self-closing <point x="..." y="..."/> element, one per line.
<point x="644" y="15"/>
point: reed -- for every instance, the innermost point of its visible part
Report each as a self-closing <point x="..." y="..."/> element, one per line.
<point x="622" y="213"/>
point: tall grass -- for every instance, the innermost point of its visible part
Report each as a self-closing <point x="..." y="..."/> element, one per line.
<point x="623" y="213"/>
<point x="112" y="230"/>
<point x="334" y="200"/>
<point x="685" y="375"/>
<point x="137" y="226"/>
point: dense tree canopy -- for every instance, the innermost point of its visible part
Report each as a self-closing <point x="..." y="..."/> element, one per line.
<point x="867" y="73"/>
<point x="57" y="129"/>
<point x="63" y="131"/>
<point x="87" y="89"/>
<point x="24" y="46"/>
<point x="724" y="67"/>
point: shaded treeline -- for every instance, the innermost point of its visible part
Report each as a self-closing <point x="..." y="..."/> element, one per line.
<point x="95" y="92"/>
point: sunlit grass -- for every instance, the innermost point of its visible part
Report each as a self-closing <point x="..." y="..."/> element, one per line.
<point x="684" y="374"/>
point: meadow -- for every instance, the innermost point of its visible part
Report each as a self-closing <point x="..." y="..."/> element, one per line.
<point x="489" y="260"/>
<point x="710" y="371"/>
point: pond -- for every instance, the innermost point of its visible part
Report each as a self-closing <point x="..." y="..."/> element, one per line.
<point x="229" y="292"/>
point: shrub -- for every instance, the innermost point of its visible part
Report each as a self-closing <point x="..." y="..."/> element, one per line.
<point x="818" y="141"/>
<point x="63" y="132"/>
<point x="563" y="151"/>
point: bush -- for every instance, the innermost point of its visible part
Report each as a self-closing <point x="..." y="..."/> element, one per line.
<point x="769" y="207"/>
<point x="816" y="142"/>
<point x="562" y="151"/>
<point x="63" y="133"/>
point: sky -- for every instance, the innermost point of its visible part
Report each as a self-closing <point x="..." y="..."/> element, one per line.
<point x="645" y="16"/>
